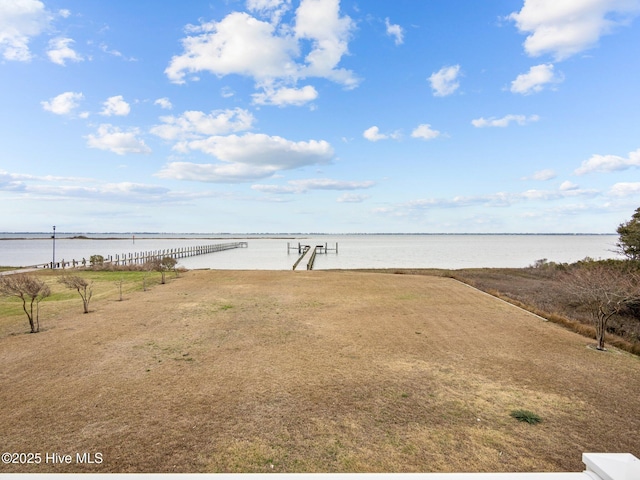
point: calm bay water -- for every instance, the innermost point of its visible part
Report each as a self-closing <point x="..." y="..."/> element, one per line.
<point x="269" y="252"/>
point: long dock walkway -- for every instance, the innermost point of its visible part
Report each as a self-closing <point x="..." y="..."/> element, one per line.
<point x="142" y="257"/>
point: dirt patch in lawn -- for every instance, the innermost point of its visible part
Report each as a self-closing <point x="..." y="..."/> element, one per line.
<point x="277" y="371"/>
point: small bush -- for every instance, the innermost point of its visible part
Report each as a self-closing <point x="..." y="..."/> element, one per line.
<point x="96" y="260"/>
<point x="526" y="416"/>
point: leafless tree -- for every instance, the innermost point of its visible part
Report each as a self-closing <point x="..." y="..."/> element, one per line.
<point x="120" y="283"/>
<point x="147" y="267"/>
<point x="81" y="285"/>
<point x="30" y="290"/>
<point x="603" y="290"/>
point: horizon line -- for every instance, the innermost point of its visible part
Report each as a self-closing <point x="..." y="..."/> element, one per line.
<point x="297" y="233"/>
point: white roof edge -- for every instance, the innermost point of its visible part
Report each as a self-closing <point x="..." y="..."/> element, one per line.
<point x="612" y="466"/>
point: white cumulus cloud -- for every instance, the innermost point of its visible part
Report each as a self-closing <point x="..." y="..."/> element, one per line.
<point x="164" y="103"/>
<point x="565" y="28"/>
<point x="274" y="9"/>
<point x="625" y="189"/>
<point x="373" y="134"/>
<point x="395" y="31"/>
<point x="269" y="51"/>
<point x="195" y="124"/>
<point x="445" y="81"/>
<point x="609" y="163"/>
<point x="261" y="149"/>
<point x="535" y="79"/>
<point x="60" y="51"/>
<point x="20" y="21"/>
<point x="319" y="21"/>
<point x="247" y="157"/>
<point x="286" y="96"/>
<point x="567" y="185"/>
<point x="115" y="106"/>
<point x="113" y="139"/>
<point x="239" y="44"/>
<point x="63" y="104"/>
<point x="425" y="132"/>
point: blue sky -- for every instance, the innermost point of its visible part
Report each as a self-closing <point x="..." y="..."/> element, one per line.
<point x="365" y="116"/>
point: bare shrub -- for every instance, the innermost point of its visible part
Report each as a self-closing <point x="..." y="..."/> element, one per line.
<point x="30" y="290"/>
<point x="119" y="283"/>
<point x="603" y="290"/>
<point x="82" y="286"/>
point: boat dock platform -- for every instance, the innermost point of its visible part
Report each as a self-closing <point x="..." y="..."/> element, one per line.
<point x="306" y="251"/>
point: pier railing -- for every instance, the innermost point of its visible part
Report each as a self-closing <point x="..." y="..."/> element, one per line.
<point x="138" y="258"/>
<point x="312" y="259"/>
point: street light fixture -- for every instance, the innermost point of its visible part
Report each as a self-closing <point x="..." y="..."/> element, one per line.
<point x="53" y="263"/>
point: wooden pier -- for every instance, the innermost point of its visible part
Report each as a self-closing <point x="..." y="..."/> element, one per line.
<point x="303" y="250"/>
<point x="321" y="248"/>
<point x="139" y="258"/>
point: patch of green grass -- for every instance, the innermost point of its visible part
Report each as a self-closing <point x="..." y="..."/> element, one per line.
<point x="132" y="280"/>
<point x="10" y="306"/>
<point x="526" y="416"/>
<point x="105" y="285"/>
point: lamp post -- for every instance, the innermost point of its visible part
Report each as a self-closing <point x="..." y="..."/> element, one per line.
<point x="53" y="263"/>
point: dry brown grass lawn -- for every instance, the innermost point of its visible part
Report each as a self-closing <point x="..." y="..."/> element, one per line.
<point x="260" y="371"/>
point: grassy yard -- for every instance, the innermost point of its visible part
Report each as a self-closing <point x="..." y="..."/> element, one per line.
<point x="258" y="371"/>
<point x="105" y="286"/>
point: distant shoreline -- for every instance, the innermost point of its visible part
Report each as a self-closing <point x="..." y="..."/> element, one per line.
<point x="150" y="238"/>
<point x="223" y="236"/>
